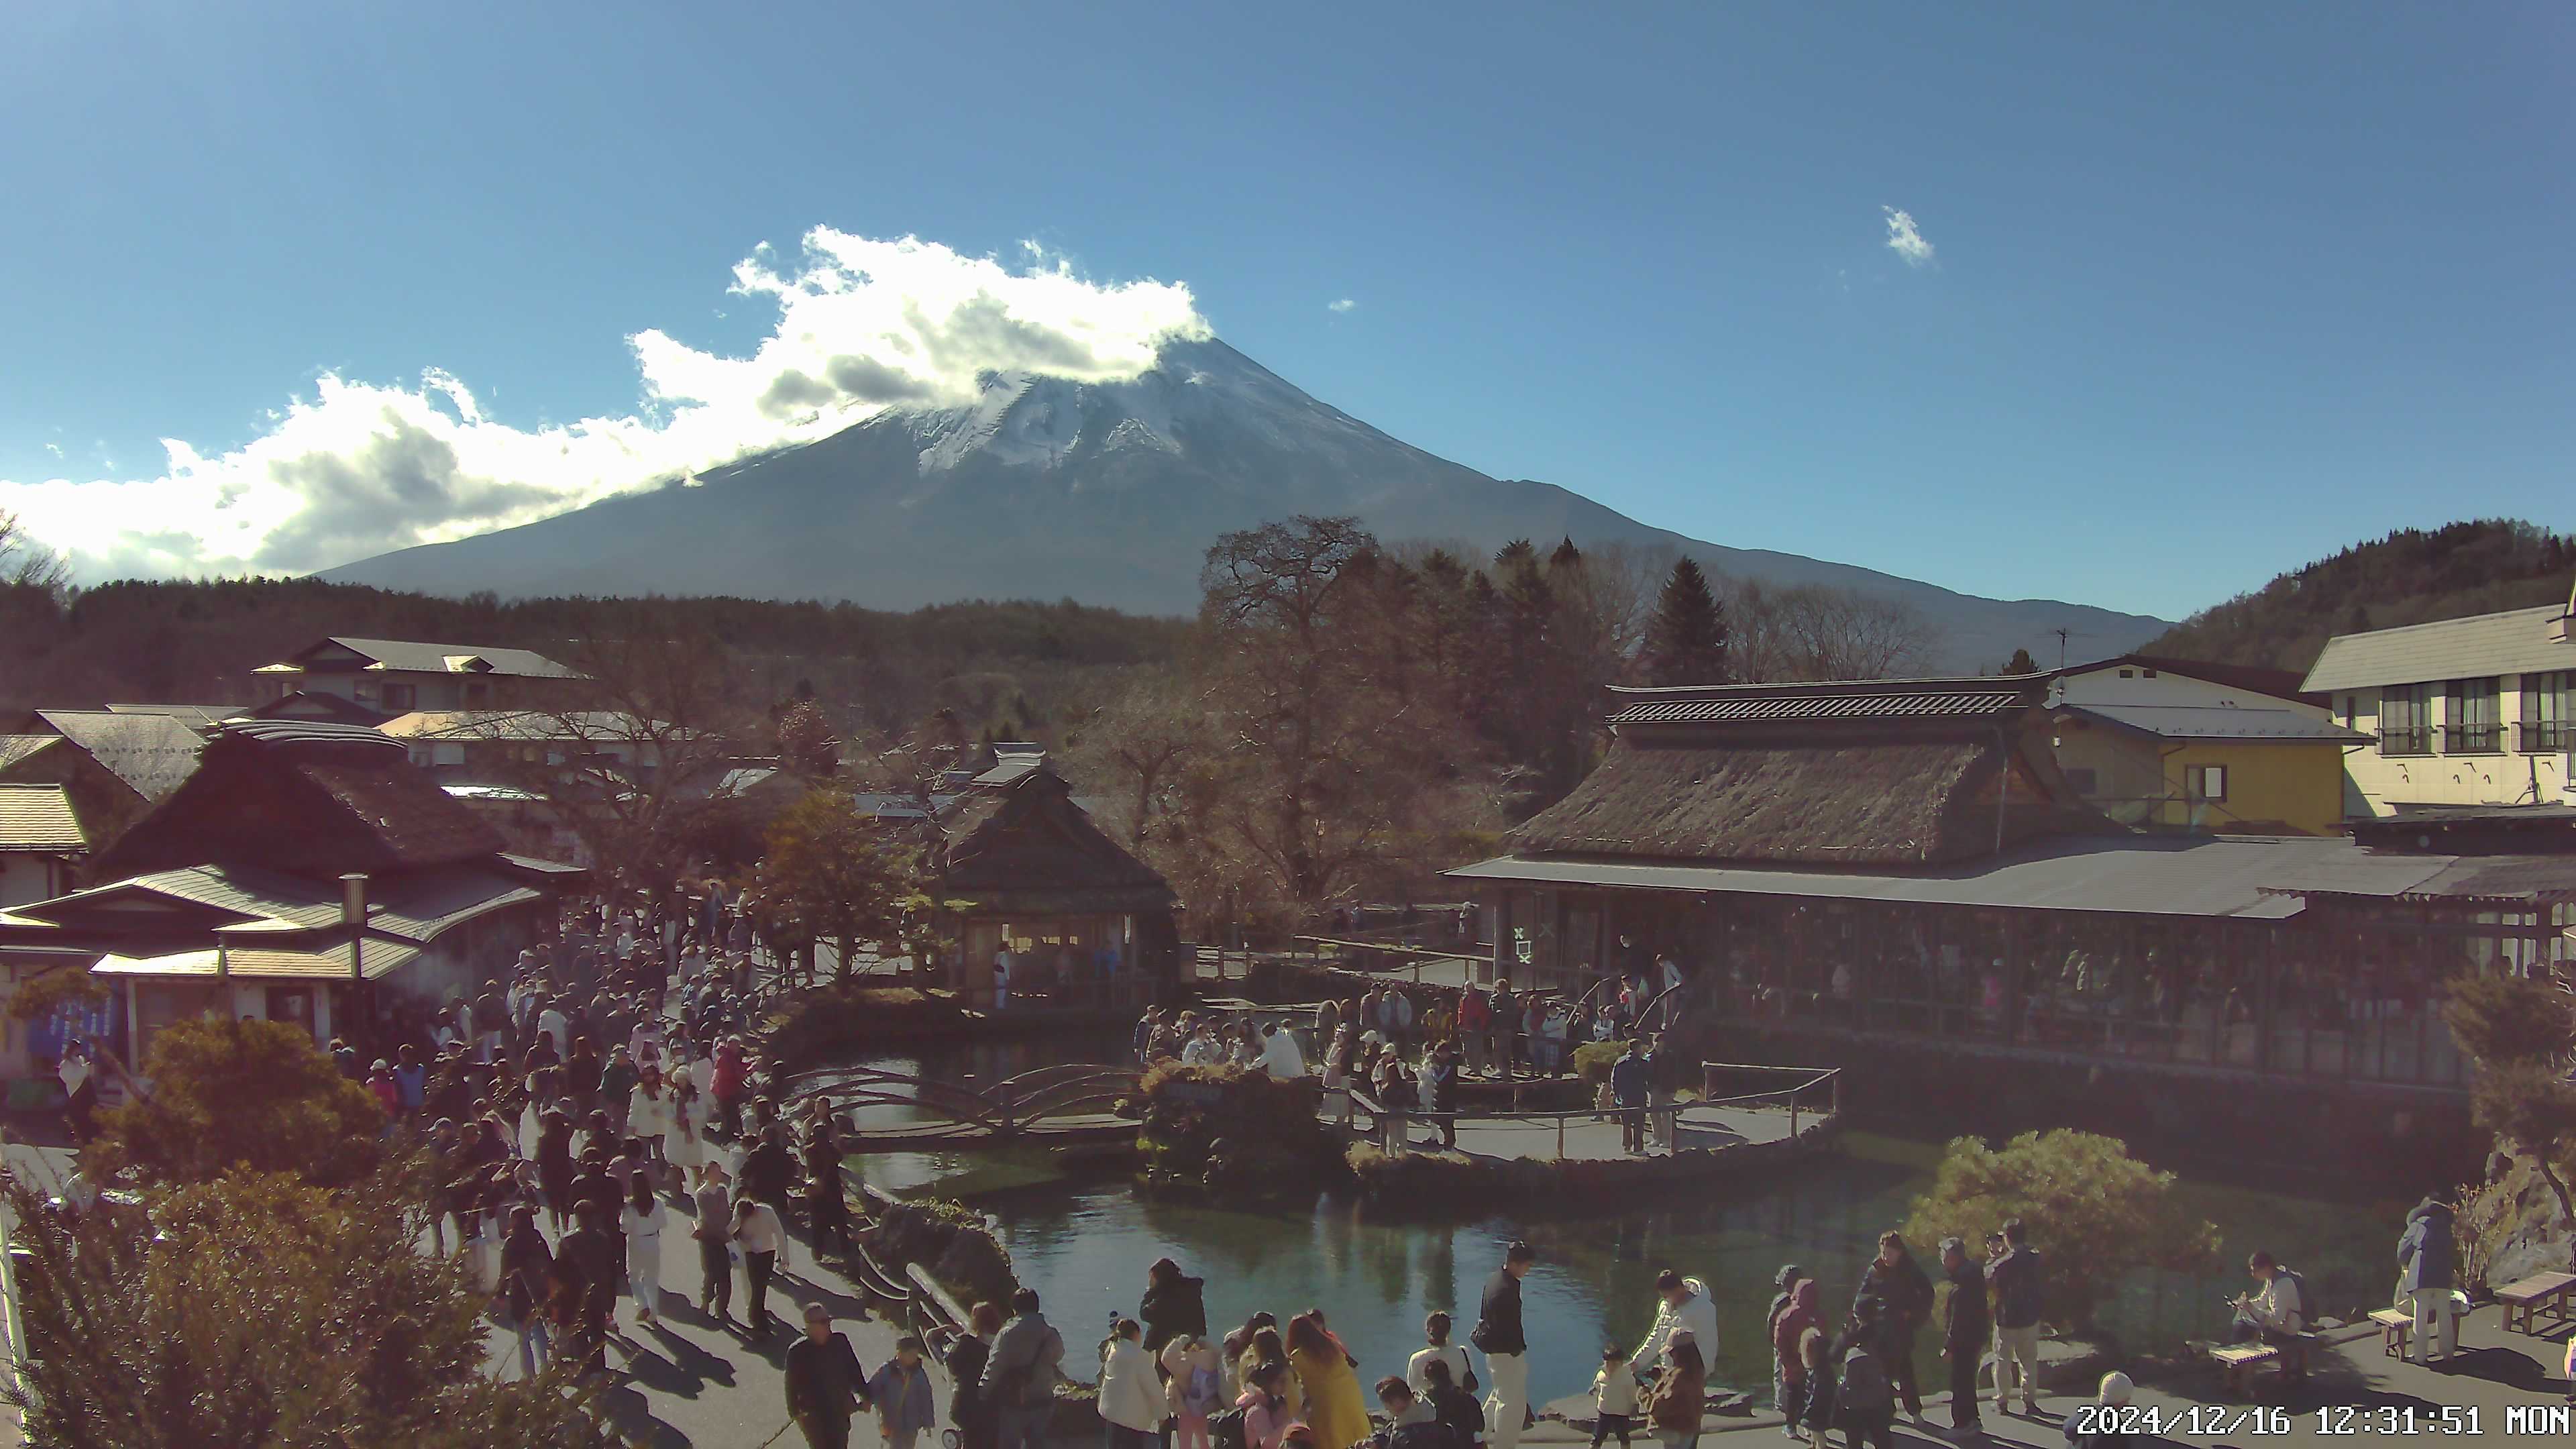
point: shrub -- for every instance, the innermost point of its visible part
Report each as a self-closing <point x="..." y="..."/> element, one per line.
<point x="1232" y="1131"/>
<point x="1593" y="1060"/>
<point x="250" y="1094"/>
<point x="256" y="1309"/>
<point x="815" y="1024"/>
<point x="2095" y="1212"/>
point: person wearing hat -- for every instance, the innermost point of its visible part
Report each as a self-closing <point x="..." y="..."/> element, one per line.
<point x="2102" y="1430"/>
<point x="826" y="1388"/>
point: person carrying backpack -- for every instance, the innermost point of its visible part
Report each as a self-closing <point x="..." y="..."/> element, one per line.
<point x="1193" y="1388"/>
<point x="1019" y="1378"/>
<point x="2020" y="1291"/>
<point x="1864" y="1395"/>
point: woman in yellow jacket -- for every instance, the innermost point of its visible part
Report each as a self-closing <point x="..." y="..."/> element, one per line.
<point x="1330" y="1379"/>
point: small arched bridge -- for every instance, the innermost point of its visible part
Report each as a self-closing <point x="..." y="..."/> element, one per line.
<point x="1069" y="1103"/>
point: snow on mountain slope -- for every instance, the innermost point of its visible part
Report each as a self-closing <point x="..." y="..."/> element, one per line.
<point x="1105" y="492"/>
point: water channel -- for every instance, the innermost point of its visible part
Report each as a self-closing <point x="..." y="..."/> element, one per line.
<point x="1084" y="1241"/>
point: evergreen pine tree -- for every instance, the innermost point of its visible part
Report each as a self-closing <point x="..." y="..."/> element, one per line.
<point x="1686" y="639"/>
<point x="2021" y="663"/>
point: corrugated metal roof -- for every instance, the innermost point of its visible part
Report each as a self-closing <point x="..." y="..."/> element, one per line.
<point x="241" y="890"/>
<point x="1011" y="768"/>
<point x="39" y="818"/>
<point x="1892" y="705"/>
<point x="423" y="906"/>
<point x="2220" y="722"/>
<point x="152" y="753"/>
<point x="2514" y="642"/>
<point x="2235" y="876"/>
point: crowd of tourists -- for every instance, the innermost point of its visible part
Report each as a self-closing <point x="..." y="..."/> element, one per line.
<point x="1408" y="1060"/>
<point x="602" y="1095"/>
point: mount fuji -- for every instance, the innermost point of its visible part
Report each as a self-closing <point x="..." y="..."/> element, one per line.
<point x="1108" y="493"/>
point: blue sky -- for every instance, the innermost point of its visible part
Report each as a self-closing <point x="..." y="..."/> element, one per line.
<point x="2212" y="290"/>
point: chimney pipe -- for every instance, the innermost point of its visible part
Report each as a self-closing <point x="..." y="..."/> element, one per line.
<point x="353" y="914"/>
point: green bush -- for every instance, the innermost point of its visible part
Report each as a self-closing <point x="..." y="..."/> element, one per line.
<point x="1231" y="1131"/>
<point x="2094" y="1212"/>
<point x="814" y="1025"/>
<point x="1593" y="1060"/>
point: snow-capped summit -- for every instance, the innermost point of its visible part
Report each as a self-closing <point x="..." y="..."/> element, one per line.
<point x="1109" y="493"/>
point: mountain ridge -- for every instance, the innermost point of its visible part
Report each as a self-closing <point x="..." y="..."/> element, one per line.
<point x="1108" y="493"/>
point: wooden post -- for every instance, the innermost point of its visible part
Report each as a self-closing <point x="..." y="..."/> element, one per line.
<point x="1560" y="1136"/>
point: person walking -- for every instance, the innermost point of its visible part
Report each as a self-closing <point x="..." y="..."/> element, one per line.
<point x="1174" y="1305"/>
<point x="1665" y="1071"/>
<point x="713" y="1233"/>
<point x="592" y="1250"/>
<point x="907" y="1403"/>
<point x="826" y="1388"/>
<point x="525" y="1264"/>
<point x="827" y="1200"/>
<point x="1789" y="1329"/>
<point x="968" y="1409"/>
<point x="1614" y="1398"/>
<point x="642" y="1221"/>
<point x="762" y="1237"/>
<point x="1965" y="1325"/>
<point x="1499" y="1336"/>
<point x="1680" y="1396"/>
<point x="1019" y="1377"/>
<point x="1902" y="1297"/>
<point x="1130" y="1401"/>
<point x="2019" y="1284"/>
<point x="2425" y="1253"/>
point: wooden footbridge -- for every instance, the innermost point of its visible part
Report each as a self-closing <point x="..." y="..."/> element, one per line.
<point x="1075" y="1102"/>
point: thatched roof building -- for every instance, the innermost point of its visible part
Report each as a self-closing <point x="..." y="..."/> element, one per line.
<point x="1906" y="772"/>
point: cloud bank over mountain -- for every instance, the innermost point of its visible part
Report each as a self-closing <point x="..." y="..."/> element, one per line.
<point x="360" y="467"/>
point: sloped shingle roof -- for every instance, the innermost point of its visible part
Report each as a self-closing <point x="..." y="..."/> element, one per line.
<point x="39" y="818"/>
<point x="415" y="657"/>
<point x="152" y="753"/>
<point x="2514" y="642"/>
<point x="2216" y="722"/>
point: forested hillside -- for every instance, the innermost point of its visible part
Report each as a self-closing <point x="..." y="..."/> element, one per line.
<point x="999" y="666"/>
<point x="2412" y="576"/>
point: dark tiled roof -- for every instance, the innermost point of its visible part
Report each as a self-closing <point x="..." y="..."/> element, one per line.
<point x="412" y="656"/>
<point x="152" y="753"/>
<point x="1829" y="701"/>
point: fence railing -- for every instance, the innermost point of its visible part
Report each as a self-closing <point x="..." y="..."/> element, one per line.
<point x="1795" y="1098"/>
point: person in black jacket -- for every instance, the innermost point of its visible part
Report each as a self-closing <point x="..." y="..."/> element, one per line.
<point x="1964" y="1326"/>
<point x="1174" y="1305"/>
<point x="1506" y="1348"/>
<point x="1904" y="1295"/>
<point x="826" y="1387"/>
<point x="967" y="1407"/>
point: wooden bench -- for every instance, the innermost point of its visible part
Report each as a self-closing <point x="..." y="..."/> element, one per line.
<point x="2541" y="1293"/>
<point x="2239" y="1360"/>
<point x="2396" y="1326"/>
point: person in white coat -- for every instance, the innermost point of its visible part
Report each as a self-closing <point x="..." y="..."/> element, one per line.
<point x="651" y="1111"/>
<point x="1687" y="1309"/>
<point x="1281" y="1057"/>
<point x="1131" y="1396"/>
<point x="643" y="1220"/>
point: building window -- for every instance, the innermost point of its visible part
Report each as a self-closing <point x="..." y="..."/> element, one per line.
<point x="2128" y="674"/>
<point x="2082" y="782"/>
<point x="399" y="696"/>
<point x="2472" y="727"/>
<point x="2205" y="782"/>
<point x="2548" y="712"/>
<point x="2405" y="719"/>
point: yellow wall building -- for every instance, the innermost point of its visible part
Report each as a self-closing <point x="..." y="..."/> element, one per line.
<point x="2203" y="752"/>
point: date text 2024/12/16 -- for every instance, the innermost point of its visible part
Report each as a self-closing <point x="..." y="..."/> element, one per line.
<point x="2218" y="1421"/>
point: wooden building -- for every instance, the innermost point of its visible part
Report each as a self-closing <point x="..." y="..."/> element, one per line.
<point x="1856" y="871"/>
<point x="1022" y="869"/>
<point x="304" y="872"/>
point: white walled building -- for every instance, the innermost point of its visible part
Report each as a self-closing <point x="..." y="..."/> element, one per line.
<point x="2473" y="711"/>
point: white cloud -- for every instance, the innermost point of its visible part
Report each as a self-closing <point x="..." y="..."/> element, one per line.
<point x="1344" y="305"/>
<point x="358" y="468"/>
<point x="54" y="448"/>
<point x="1904" y="239"/>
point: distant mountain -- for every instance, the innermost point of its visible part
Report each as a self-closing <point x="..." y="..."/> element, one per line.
<point x="2412" y="576"/>
<point x="1106" y="493"/>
